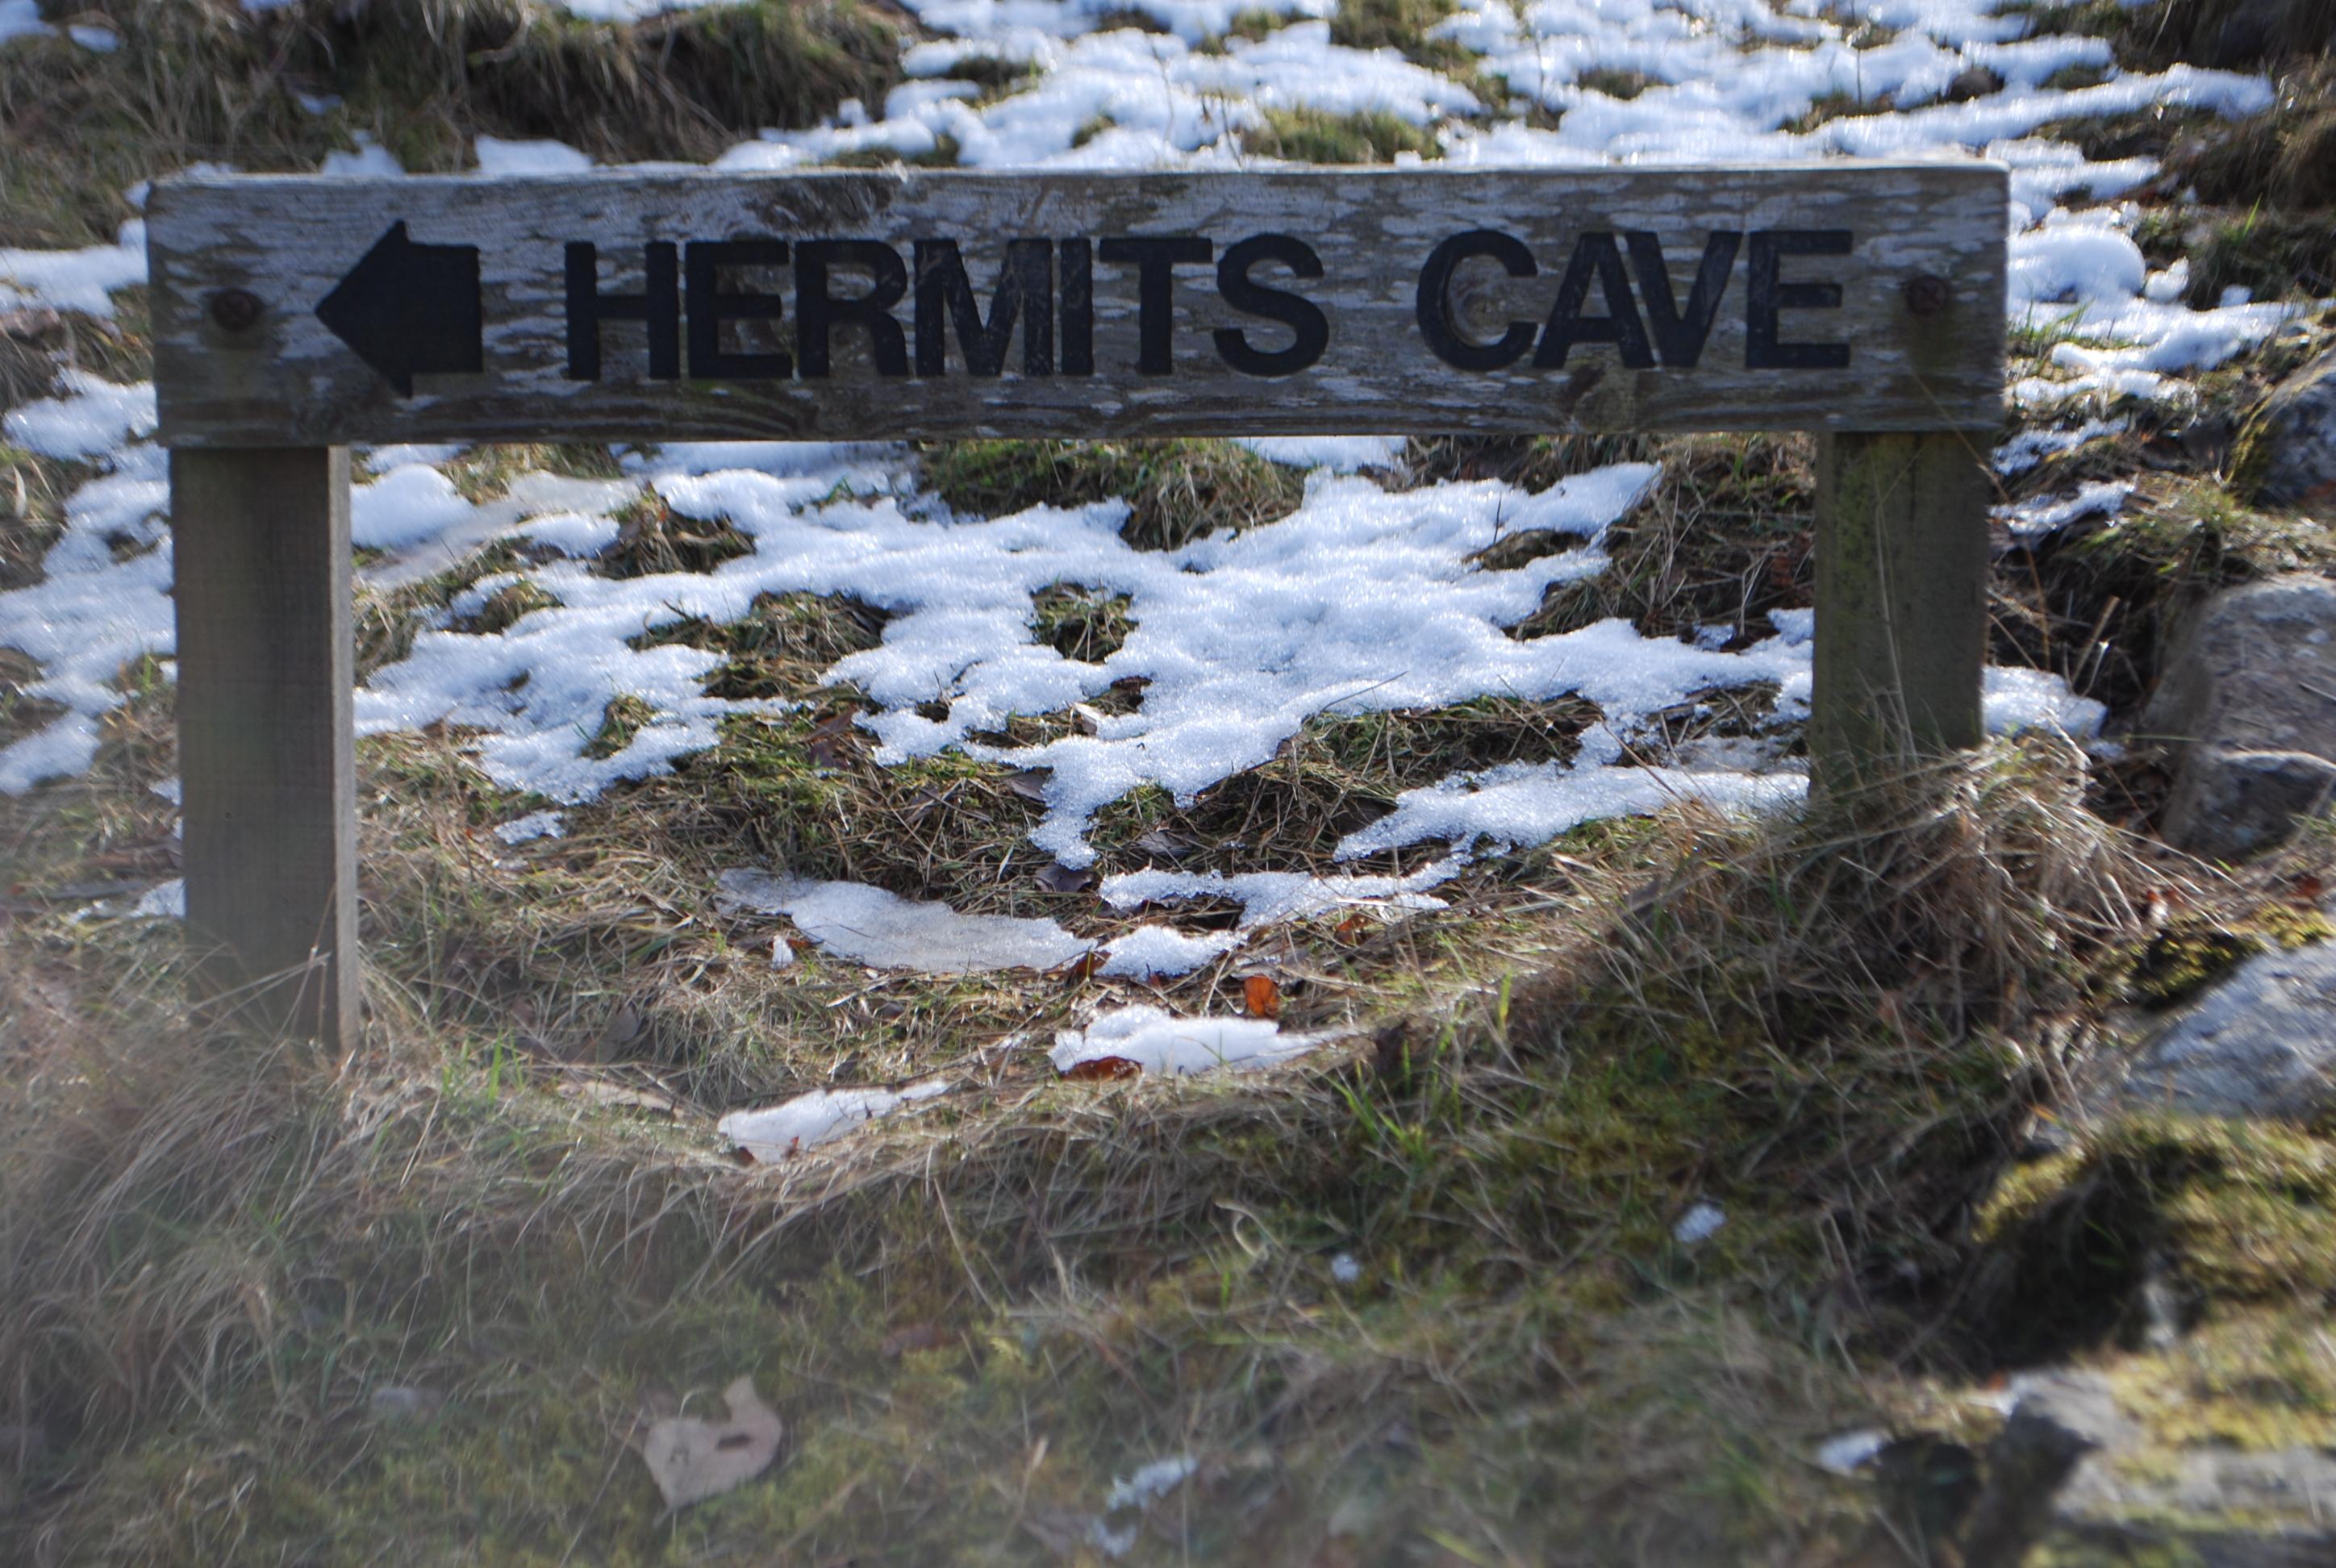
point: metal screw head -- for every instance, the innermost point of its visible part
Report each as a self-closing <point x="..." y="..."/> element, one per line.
<point x="236" y="309"/>
<point x="1927" y="294"/>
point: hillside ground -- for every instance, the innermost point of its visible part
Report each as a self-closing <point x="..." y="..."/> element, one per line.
<point x="1435" y="1291"/>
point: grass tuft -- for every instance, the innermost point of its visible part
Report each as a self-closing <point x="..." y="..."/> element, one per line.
<point x="1175" y="490"/>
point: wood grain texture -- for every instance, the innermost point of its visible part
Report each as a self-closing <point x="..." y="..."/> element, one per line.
<point x="291" y="241"/>
<point x="266" y="753"/>
<point x="1901" y="599"/>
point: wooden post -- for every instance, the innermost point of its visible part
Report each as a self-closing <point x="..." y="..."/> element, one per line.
<point x="1902" y="597"/>
<point x="266" y="755"/>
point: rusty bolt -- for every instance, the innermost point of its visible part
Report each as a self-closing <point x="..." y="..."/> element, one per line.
<point x="236" y="309"/>
<point x="1927" y="294"/>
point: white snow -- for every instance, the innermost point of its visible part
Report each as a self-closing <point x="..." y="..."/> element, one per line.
<point x="870" y="926"/>
<point x="2017" y="699"/>
<point x="1151" y="1481"/>
<point x="498" y="157"/>
<point x="1159" y="1042"/>
<point x="774" y="1132"/>
<point x="2030" y="447"/>
<point x="164" y="900"/>
<point x="1700" y="1223"/>
<point x="547" y="824"/>
<point x="1850" y="1452"/>
<point x="2044" y="514"/>
<point x="1271" y="897"/>
<point x="1156" y="953"/>
<point x="1521" y="804"/>
<point x="93" y="419"/>
<point x="20" y="18"/>
<point x="82" y="280"/>
<point x="1361" y="599"/>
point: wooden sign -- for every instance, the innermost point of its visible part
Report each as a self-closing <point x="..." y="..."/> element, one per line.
<point x="857" y="306"/>
<point x="296" y="315"/>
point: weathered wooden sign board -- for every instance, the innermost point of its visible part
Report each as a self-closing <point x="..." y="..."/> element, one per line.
<point x="296" y="315"/>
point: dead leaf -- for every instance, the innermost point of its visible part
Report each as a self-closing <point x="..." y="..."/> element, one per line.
<point x="1031" y="782"/>
<point x="692" y="1459"/>
<point x="1260" y="997"/>
<point x="832" y="740"/>
<point x="1090" y="720"/>
<point x="1059" y="878"/>
<point x="1099" y="1070"/>
<point x="1165" y="843"/>
<point x="1084" y="968"/>
<point x="1354" y="927"/>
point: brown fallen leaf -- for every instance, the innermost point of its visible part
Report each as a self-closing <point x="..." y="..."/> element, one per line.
<point x="1260" y="997"/>
<point x="1165" y="843"/>
<point x="1096" y="1070"/>
<point x="831" y="739"/>
<point x="1084" y="968"/>
<point x="692" y="1459"/>
<point x="1031" y="782"/>
<point x="1059" y="878"/>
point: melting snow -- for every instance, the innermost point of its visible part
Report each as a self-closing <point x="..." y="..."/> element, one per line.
<point x="1360" y="601"/>
<point x="1700" y="1223"/>
<point x="821" y="1117"/>
<point x="871" y="926"/>
<point x="1158" y="1042"/>
<point x="534" y="825"/>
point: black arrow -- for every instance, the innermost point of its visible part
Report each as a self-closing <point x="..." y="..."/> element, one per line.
<point x="409" y="309"/>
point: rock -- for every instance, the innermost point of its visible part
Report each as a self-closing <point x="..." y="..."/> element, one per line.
<point x="2058" y="1420"/>
<point x="2263" y="1042"/>
<point x="2286" y="454"/>
<point x="2070" y="1470"/>
<point x="2236" y="803"/>
<point x="2248" y="703"/>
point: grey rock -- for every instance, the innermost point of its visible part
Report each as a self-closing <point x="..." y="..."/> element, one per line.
<point x="2263" y="1042"/>
<point x="2248" y="705"/>
<point x="2235" y="804"/>
<point x="2060" y="1418"/>
<point x="2287" y="453"/>
<point x="2071" y="1468"/>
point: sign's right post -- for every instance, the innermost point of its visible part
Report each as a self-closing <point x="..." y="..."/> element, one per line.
<point x="1902" y="548"/>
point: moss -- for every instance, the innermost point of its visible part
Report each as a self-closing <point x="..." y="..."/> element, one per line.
<point x="506" y="605"/>
<point x="1176" y="490"/>
<point x="652" y="537"/>
<point x="1614" y="83"/>
<point x="2236" y="1216"/>
<point x="620" y="721"/>
<point x="942" y="154"/>
<point x="2270" y="256"/>
<point x="1400" y="25"/>
<point x="1315" y="136"/>
<point x="2187" y="955"/>
<point x="1080" y="623"/>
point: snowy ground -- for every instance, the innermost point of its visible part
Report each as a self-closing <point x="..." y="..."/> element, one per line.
<point x="1362" y="599"/>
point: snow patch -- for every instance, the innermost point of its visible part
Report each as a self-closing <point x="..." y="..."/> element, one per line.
<point x="1160" y="1042"/>
<point x="870" y="926"/>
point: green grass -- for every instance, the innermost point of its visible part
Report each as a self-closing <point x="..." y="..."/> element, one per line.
<point x="1313" y="136"/>
<point x="1175" y="490"/>
<point x="971" y="1322"/>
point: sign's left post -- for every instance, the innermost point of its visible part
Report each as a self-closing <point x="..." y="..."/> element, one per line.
<point x="266" y="747"/>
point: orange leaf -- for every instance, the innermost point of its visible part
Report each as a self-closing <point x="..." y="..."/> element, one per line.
<point x="1095" y="1068"/>
<point x="1262" y="996"/>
